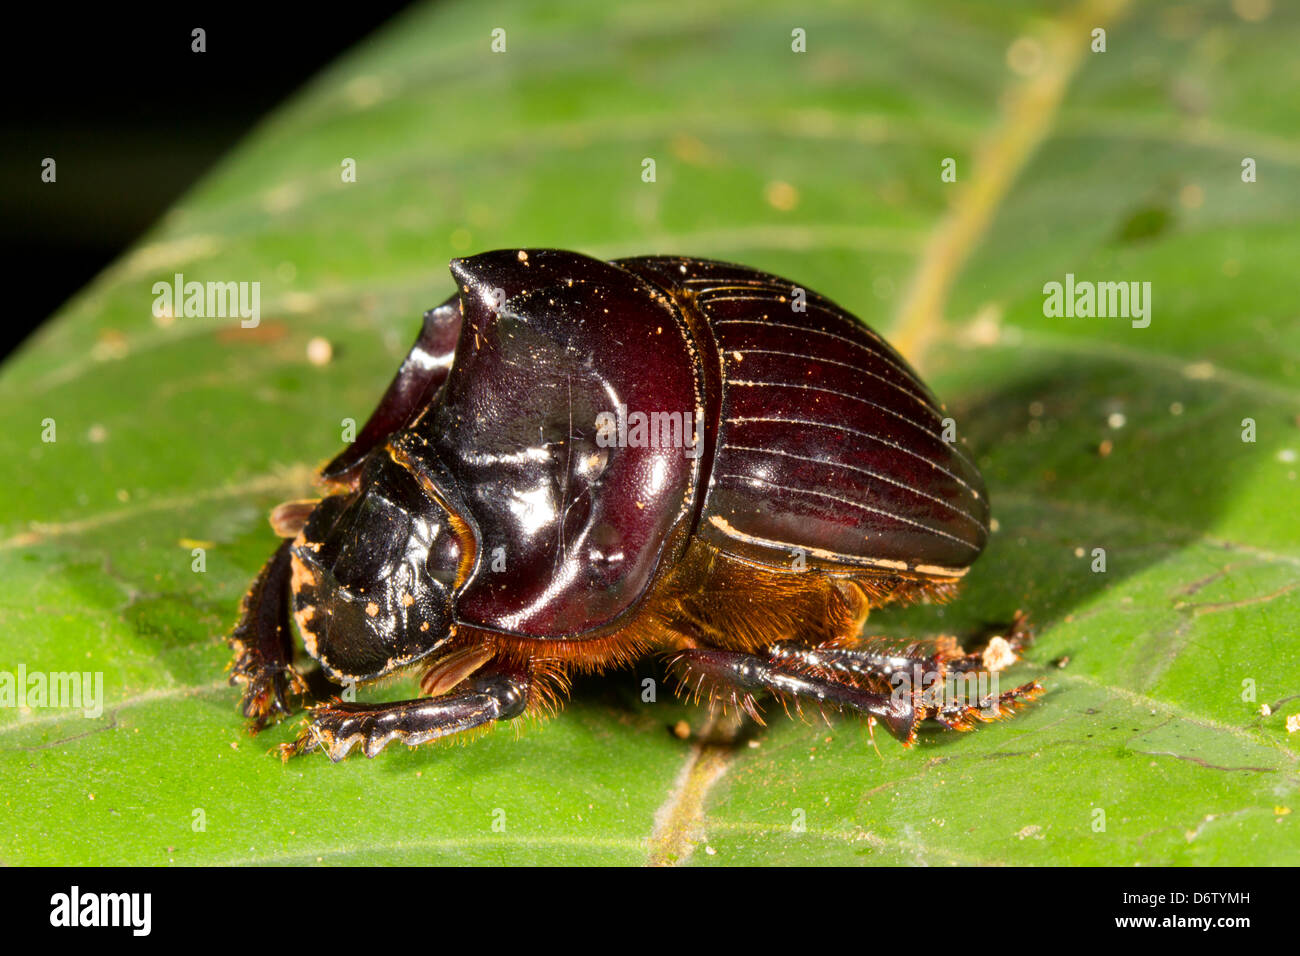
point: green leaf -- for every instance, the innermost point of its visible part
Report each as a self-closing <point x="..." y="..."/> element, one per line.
<point x="823" y="166"/>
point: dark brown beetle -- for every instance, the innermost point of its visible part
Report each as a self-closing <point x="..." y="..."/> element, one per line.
<point x="581" y="462"/>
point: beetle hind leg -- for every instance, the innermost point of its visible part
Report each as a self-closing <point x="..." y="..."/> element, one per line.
<point x="337" y="727"/>
<point x="957" y="689"/>
<point x="901" y="684"/>
<point x="262" y="645"/>
<point x="738" y="676"/>
<point x="884" y="658"/>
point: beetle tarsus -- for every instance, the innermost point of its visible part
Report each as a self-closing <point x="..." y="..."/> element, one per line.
<point x="261" y="641"/>
<point x="957" y="715"/>
<point x="338" y="726"/>
<point x="266" y="691"/>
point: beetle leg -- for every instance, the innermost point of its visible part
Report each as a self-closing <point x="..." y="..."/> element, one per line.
<point x="962" y="713"/>
<point x="883" y="658"/>
<point x="745" y="674"/>
<point x="955" y="686"/>
<point x="338" y="726"/>
<point x="261" y="641"/>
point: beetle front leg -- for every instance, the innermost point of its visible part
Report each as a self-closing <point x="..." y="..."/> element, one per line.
<point x="262" y="644"/>
<point x="339" y="726"/>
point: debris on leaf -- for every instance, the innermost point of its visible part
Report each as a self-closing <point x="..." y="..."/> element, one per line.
<point x="999" y="654"/>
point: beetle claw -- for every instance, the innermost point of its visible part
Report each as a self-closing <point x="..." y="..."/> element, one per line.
<point x="306" y="741"/>
<point x="266" y="690"/>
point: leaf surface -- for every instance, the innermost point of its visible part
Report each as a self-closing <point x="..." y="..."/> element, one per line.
<point x="1149" y="747"/>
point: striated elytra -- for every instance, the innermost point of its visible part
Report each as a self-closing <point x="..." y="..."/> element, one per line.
<point x="581" y="462"/>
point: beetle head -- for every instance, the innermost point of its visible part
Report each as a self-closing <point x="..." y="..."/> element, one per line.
<point x="374" y="573"/>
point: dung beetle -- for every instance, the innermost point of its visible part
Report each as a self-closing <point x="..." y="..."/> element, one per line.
<point x="581" y="462"/>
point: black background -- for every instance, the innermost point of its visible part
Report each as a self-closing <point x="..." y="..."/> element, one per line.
<point x="1012" y="910"/>
<point x="132" y="118"/>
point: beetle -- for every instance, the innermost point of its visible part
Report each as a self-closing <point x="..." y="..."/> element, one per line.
<point x="582" y="462"/>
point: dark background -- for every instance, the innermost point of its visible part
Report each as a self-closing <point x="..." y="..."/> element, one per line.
<point x="133" y="118"/>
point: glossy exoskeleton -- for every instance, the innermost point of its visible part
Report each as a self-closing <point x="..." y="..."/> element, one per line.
<point x="582" y="462"/>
